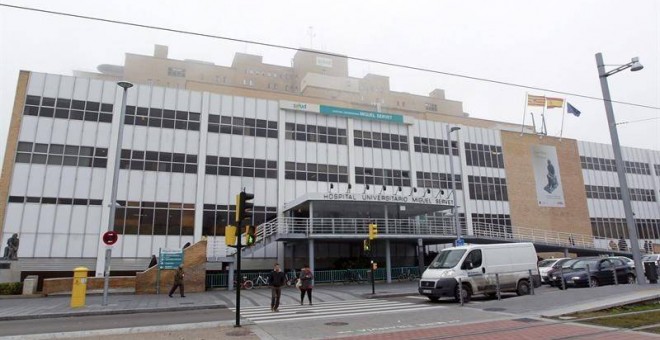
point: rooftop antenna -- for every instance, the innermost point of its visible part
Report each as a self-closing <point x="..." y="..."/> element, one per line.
<point x="312" y="35"/>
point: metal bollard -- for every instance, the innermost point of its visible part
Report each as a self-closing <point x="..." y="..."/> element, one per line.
<point x="460" y="290"/>
<point x="531" y="282"/>
<point x="616" y="279"/>
<point x="561" y="277"/>
<point x="497" y="286"/>
<point x="588" y="276"/>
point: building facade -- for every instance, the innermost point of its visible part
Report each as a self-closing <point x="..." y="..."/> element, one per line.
<point x="195" y="134"/>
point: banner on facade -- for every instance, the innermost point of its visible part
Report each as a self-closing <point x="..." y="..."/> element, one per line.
<point x="549" y="191"/>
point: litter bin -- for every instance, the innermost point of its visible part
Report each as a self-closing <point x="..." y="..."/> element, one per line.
<point x="651" y="271"/>
<point x="79" y="289"/>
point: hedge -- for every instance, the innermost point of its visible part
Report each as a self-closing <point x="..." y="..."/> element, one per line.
<point x="11" y="288"/>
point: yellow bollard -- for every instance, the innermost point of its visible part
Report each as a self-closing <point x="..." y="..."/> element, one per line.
<point x="79" y="289"/>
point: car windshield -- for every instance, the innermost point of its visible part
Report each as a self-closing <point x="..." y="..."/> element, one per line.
<point x="569" y="263"/>
<point x="447" y="259"/>
<point x="547" y="263"/>
<point x="582" y="264"/>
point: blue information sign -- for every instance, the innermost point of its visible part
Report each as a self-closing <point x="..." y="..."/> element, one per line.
<point x="170" y="258"/>
<point x="460" y="242"/>
<point x="360" y="114"/>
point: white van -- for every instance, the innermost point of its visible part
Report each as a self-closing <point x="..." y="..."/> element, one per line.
<point x="476" y="266"/>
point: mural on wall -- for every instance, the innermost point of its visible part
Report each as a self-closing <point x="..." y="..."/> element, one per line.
<point x="549" y="192"/>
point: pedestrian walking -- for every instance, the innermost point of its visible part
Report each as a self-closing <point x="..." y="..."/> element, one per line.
<point x="178" y="281"/>
<point x="276" y="280"/>
<point x="623" y="245"/>
<point x="306" y="283"/>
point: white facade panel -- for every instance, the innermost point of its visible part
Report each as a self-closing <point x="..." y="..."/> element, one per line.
<point x="97" y="183"/>
<point x="13" y="218"/>
<point x="51" y="85"/>
<point x="139" y="138"/>
<point x="149" y="186"/>
<point x="42" y="245"/>
<point x="30" y="218"/>
<point x="153" y="139"/>
<point x="36" y="180"/>
<point x="162" y="189"/>
<point x="36" y="84"/>
<point x="28" y="128"/>
<point x="44" y="128"/>
<point x="90" y="245"/>
<point x="46" y="218"/>
<point x="78" y="219"/>
<point x="62" y="219"/>
<point x="176" y="188"/>
<point x="27" y="244"/>
<point x="94" y="225"/>
<point x="19" y="179"/>
<point x="144" y="249"/>
<point x="83" y="180"/>
<point x="135" y="185"/>
<point x="75" y="245"/>
<point x="179" y="141"/>
<point x="189" y="188"/>
<point x="192" y="142"/>
<point x="80" y="89"/>
<point x="59" y="246"/>
<point x="129" y="245"/>
<point x="74" y="133"/>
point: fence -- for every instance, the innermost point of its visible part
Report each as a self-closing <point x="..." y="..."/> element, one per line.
<point x="220" y="280"/>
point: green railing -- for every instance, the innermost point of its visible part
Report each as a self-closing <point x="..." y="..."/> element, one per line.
<point x="219" y="280"/>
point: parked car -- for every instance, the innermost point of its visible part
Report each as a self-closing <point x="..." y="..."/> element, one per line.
<point x="594" y="272"/>
<point x="630" y="262"/>
<point x="546" y="265"/>
<point x="561" y="264"/>
<point x="652" y="258"/>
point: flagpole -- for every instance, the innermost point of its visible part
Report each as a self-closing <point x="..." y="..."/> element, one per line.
<point x="561" y="131"/>
<point x="522" y="127"/>
<point x="544" y="130"/>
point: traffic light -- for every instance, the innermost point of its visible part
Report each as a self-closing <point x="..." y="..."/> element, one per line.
<point x="230" y="235"/>
<point x="250" y="235"/>
<point x="243" y="206"/>
<point x="373" y="231"/>
<point x="366" y="245"/>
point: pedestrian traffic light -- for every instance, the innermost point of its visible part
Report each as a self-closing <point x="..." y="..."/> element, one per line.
<point x="250" y="235"/>
<point x="244" y="206"/>
<point x="230" y="235"/>
<point x="366" y="245"/>
<point x="373" y="231"/>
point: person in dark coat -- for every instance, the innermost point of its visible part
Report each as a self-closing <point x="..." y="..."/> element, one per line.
<point x="178" y="281"/>
<point x="306" y="283"/>
<point x="154" y="261"/>
<point x="623" y="245"/>
<point x="276" y="280"/>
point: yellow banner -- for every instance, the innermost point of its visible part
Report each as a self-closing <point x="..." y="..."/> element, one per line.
<point x="554" y="102"/>
<point x="535" y="100"/>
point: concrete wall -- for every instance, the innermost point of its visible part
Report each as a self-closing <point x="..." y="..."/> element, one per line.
<point x="64" y="285"/>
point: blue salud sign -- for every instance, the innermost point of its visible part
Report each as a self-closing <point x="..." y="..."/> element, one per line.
<point x="359" y="114"/>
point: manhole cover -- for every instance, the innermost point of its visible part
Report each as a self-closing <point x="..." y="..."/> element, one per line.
<point x="494" y="309"/>
<point x="239" y="332"/>
<point x="526" y="320"/>
<point x="336" y="323"/>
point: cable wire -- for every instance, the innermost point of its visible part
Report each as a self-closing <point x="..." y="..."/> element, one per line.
<point x="385" y="63"/>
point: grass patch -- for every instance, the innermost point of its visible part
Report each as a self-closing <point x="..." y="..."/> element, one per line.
<point x="638" y="307"/>
<point x="627" y="321"/>
<point x="629" y="316"/>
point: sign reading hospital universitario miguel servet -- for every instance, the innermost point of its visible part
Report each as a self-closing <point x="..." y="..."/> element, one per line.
<point x="342" y="112"/>
<point x="356" y="197"/>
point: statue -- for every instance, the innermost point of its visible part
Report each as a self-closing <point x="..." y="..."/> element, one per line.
<point x="11" y="250"/>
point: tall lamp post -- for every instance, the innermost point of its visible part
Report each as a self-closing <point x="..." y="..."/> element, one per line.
<point x="451" y="129"/>
<point x="113" y="194"/>
<point x="633" y="65"/>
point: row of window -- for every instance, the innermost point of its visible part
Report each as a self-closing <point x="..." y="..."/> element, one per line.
<point x="314" y="133"/>
<point x="216" y="218"/>
<point x="616" y="228"/>
<point x="434" y="146"/>
<point x="488" y="188"/>
<point x="380" y="140"/>
<point x="60" y="154"/>
<point x="165" y="118"/>
<point x="438" y="180"/>
<point x="158" y="161"/>
<point x="54" y="200"/>
<point x="316" y="172"/>
<point x="154" y="218"/>
<point x="489" y="156"/>
<point x="245" y="167"/>
<point x="614" y="193"/>
<point x="492" y="225"/>
<point x="382" y="176"/>
<point x="604" y="164"/>
<point x="68" y="109"/>
<point x="242" y="126"/>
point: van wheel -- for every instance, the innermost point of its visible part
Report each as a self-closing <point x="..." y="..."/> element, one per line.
<point x="523" y="288"/>
<point x="465" y="291"/>
<point x="434" y="298"/>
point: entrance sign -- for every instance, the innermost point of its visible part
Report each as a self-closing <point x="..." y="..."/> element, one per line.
<point x="170" y="258"/>
<point x="345" y="112"/>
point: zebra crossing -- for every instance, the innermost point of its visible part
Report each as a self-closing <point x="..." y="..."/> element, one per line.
<point x="263" y="314"/>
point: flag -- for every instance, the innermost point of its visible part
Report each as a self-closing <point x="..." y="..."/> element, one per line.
<point x="535" y="100"/>
<point x="554" y="102"/>
<point x="572" y="110"/>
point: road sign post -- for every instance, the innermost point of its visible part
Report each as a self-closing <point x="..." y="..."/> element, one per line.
<point x="109" y="239"/>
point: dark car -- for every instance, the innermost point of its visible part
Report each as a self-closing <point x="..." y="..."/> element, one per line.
<point x="594" y="272"/>
<point x="559" y="265"/>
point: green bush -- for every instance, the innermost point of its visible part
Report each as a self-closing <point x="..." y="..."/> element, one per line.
<point x="11" y="288"/>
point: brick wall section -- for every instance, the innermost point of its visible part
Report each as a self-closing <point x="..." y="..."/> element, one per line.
<point x="194" y="266"/>
<point x="64" y="285"/>
<point x="12" y="142"/>
<point x="525" y="211"/>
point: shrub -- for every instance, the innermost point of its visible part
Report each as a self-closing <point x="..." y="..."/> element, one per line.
<point x="11" y="288"/>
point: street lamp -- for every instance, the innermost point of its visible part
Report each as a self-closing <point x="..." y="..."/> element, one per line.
<point x="451" y="129"/>
<point x="113" y="195"/>
<point x="634" y="65"/>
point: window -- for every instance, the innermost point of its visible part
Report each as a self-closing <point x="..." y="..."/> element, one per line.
<point x="489" y="224"/>
<point x="380" y="140"/>
<point x="68" y="109"/>
<point x="313" y="133"/>
<point x="51" y="154"/>
<point x="176" y="72"/>
<point x="158" y="161"/>
<point x="165" y="118"/>
<point x="154" y="218"/>
<point x="216" y="217"/>
<point x="616" y="228"/>
<point x="242" y="126"/>
<point x="240" y="167"/>
<point x="431" y="107"/>
<point x="438" y="180"/>
<point x="488" y="188"/>
<point x="377" y="176"/>
<point x="316" y="172"/>
<point x="434" y="146"/>
<point x="489" y="156"/>
<point x="472" y="260"/>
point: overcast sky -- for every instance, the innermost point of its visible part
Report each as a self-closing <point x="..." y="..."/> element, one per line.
<point x="545" y="44"/>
